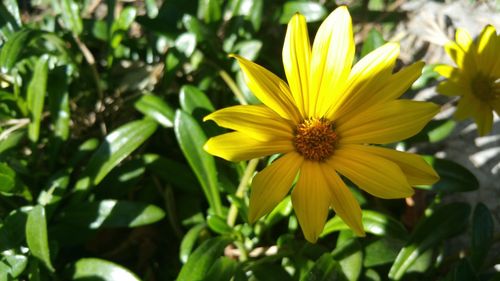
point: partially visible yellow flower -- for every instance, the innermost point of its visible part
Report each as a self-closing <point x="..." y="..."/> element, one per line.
<point x="476" y="77"/>
<point x="322" y="123"/>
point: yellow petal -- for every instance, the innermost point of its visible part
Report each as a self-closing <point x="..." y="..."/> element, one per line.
<point x="386" y="122"/>
<point x="487" y="49"/>
<point x="484" y="119"/>
<point x="397" y="84"/>
<point x="332" y="55"/>
<point x="463" y="38"/>
<point x="269" y="89"/>
<point x="257" y="121"/>
<point x="366" y="77"/>
<point x="466" y="107"/>
<point x="296" y="61"/>
<point x="311" y="199"/>
<point x="374" y="174"/>
<point x="445" y="70"/>
<point x="343" y="202"/>
<point x="237" y="146"/>
<point x="416" y="170"/>
<point x="271" y="185"/>
<point x="461" y="51"/>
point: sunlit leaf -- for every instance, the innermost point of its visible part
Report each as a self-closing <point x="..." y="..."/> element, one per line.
<point x="103" y="270"/>
<point x="36" y="236"/>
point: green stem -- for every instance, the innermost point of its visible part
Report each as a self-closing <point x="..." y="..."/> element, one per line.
<point x="232" y="85"/>
<point x="242" y="188"/>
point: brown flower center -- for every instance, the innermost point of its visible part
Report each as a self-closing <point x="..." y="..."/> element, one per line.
<point x="485" y="88"/>
<point x="315" y="139"/>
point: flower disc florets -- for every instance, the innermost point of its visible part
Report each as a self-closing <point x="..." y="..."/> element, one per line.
<point x="485" y="88"/>
<point x="315" y="139"/>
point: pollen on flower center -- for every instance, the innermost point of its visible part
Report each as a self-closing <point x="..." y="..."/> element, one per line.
<point x="485" y="88"/>
<point x="315" y="139"/>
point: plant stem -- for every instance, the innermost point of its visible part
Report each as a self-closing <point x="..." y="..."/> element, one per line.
<point x="240" y="192"/>
<point x="232" y="85"/>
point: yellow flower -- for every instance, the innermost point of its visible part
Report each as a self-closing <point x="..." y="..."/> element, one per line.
<point x="322" y="122"/>
<point x="476" y="79"/>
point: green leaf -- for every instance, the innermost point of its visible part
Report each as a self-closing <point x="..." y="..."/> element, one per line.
<point x="7" y="178"/>
<point x="441" y="224"/>
<point x="191" y="140"/>
<point x="325" y="269"/>
<point x="117" y="146"/>
<point x="381" y="251"/>
<point x="199" y="263"/>
<point x="36" y="236"/>
<point x="373" y="222"/>
<point x="71" y="16"/>
<point x="12" y="140"/>
<point x="223" y="269"/>
<point x="103" y="270"/>
<point x="311" y="10"/>
<point x="9" y="17"/>
<point x="192" y="99"/>
<point x="12" y="49"/>
<point x="428" y="74"/>
<point x="218" y="224"/>
<point x="348" y="253"/>
<point x="122" y="24"/>
<point x="373" y="40"/>
<point x="17" y="264"/>
<point x="59" y="102"/>
<point x="453" y="177"/>
<point x="209" y="10"/>
<point x="12" y="230"/>
<point x="482" y="234"/>
<point x="189" y="240"/>
<point x="156" y="108"/>
<point x="111" y="213"/>
<point x="36" y="96"/>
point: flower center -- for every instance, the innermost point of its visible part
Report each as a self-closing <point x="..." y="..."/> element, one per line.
<point x="315" y="139"/>
<point x="485" y="88"/>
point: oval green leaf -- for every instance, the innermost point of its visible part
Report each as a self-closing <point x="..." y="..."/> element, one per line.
<point x="189" y="240"/>
<point x="103" y="270"/>
<point x="156" y="108"/>
<point x="311" y="10"/>
<point x="482" y="234"/>
<point x="7" y="178"/>
<point x="191" y="140"/>
<point x="192" y="98"/>
<point x="326" y="269"/>
<point x="373" y="222"/>
<point x="117" y="146"/>
<point x="111" y="213"/>
<point x="35" y="96"/>
<point x="36" y="236"/>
